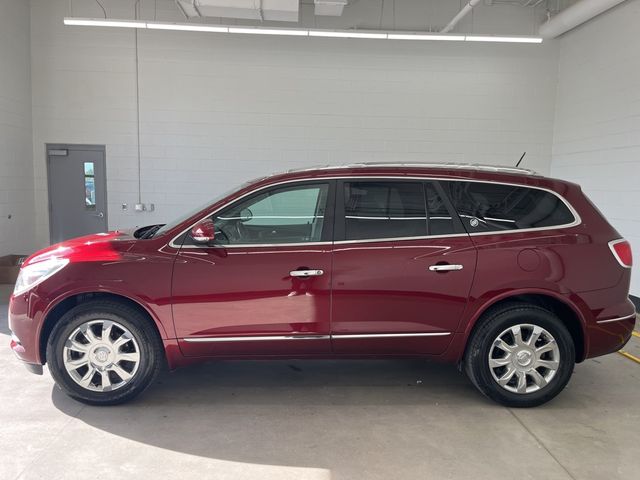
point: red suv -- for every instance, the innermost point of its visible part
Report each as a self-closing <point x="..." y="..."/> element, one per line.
<point x="512" y="276"/>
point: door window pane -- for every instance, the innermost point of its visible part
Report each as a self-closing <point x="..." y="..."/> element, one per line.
<point x="491" y="207"/>
<point x="384" y="210"/>
<point x="88" y="169"/>
<point x="281" y="215"/>
<point x="89" y="186"/>
<point x="440" y="221"/>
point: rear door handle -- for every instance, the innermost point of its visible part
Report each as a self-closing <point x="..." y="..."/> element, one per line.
<point x="306" y="273"/>
<point x="445" y="268"/>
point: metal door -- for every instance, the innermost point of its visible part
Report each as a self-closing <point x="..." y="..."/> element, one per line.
<point x="77" y="191"/>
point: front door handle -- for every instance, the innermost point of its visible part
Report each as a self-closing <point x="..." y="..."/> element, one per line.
<point x="306" y="273"/>
<point x="445" y="267"/>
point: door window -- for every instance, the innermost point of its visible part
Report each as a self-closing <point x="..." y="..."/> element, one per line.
<point x="384" y="210"/>
<point x="278" y="216"/>
<point x="89" y="186"/>
<point x="441" y="221"/>
<point x="493" y="207"/>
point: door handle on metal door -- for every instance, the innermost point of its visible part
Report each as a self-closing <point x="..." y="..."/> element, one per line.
<point x="444" y="268"/>
<point x="100" y="215"/>
<point x="306" y="273"/>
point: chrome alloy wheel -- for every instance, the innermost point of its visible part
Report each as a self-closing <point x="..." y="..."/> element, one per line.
<point x="524" y="358"/>
<point x="101" y="355"/>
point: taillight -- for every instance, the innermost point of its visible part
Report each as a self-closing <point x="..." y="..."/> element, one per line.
<point x="621" y="249"/>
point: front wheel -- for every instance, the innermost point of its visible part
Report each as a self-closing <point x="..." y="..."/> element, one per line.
<point x="520" y="356"/>
<point x="104" y="353"/>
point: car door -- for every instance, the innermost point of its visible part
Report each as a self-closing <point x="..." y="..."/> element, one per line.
<point x="403" y="267"/>
<point x="263" y="286"/>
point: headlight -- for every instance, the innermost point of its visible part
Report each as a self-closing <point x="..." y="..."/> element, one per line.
<point x="33" y="274"/>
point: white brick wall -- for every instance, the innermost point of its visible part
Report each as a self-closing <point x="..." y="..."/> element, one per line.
<point x="16" y="168"/>
<point x="219" y="109"/>
<point x="597" y="125"/>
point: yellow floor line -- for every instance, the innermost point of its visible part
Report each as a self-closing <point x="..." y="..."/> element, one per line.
<point x="635" y="334"/>
<point x="629" y="356"/>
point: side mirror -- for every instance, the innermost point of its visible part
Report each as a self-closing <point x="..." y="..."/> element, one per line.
<point x="203" y="232"/>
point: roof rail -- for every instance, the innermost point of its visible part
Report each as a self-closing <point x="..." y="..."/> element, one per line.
<point x="447" y="166"/>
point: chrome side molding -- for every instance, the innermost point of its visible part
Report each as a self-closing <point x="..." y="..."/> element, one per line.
<point x="340" y="336"/>
<point x="262" y="338"/>
<point x="337" y="336"/>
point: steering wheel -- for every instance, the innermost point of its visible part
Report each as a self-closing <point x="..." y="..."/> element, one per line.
<point x="225" y="234"/>
<point x="233" y="233"/>
<point x="241" y="231"/>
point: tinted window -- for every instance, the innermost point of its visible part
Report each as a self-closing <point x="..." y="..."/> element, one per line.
<point x="489" y="207"/>
<point x="440" y="221"/>
<point x="384" y="210"/>
<point x="280" y="215"/>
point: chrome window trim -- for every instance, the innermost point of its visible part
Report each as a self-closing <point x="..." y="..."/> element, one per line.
<point x="617" y="319"/>
<point x="399" y="239"/>
<point x="358" y="217"/>
<point x="263" y="338"/>
<point x="252" y="245"/>
<point x="576" y="216"/>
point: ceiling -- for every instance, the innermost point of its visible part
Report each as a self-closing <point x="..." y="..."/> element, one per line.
<point x="498" y="17"/>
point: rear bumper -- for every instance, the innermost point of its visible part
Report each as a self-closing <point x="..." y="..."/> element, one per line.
<point x="610" y="335"/>
<point x="609" y="328"/>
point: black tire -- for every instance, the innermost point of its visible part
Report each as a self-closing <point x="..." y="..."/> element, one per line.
<point x="476" y="360"/>
<point x="151" y="351"/>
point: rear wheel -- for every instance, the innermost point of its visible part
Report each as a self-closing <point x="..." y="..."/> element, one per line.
<point x="104" y="353"/>
<point x="521" y="356"/>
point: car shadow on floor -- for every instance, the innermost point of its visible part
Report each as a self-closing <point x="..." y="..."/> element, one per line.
<point x="4" y="325"/>
<point x="271" y="411"/>
<point x="4" y="328"/>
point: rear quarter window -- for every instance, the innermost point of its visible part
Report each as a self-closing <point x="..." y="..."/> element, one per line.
<point x="495" y="207"/>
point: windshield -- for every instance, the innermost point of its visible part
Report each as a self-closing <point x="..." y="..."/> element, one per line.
<point x="190" y="213"/>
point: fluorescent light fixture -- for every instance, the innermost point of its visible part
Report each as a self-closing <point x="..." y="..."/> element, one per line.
<point x="417" y="36"/>
<point x="196" y="27"/>
<point x="98" y="22"/>
<point x="334" y="34"/>
<point x="270" y="31"/>
<point x="490" y="38"/>
<point x="187" y="27"/>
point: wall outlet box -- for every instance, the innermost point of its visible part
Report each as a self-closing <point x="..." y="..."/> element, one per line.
<point x="151" y="207"/>
<point x="139" y="207"/>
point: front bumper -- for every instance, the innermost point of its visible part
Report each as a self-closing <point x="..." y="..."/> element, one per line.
<point x="25" y="332"/>
<point x="19" y="350"/>
<point x="34" y="368"/>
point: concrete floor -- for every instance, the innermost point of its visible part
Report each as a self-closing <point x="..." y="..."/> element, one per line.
<point x="319" y="420"/>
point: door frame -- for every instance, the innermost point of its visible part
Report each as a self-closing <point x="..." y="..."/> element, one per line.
<point x="79" y="148"/>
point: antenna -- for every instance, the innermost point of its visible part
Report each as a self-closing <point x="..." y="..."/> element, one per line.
<point x="518" y="164"/>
